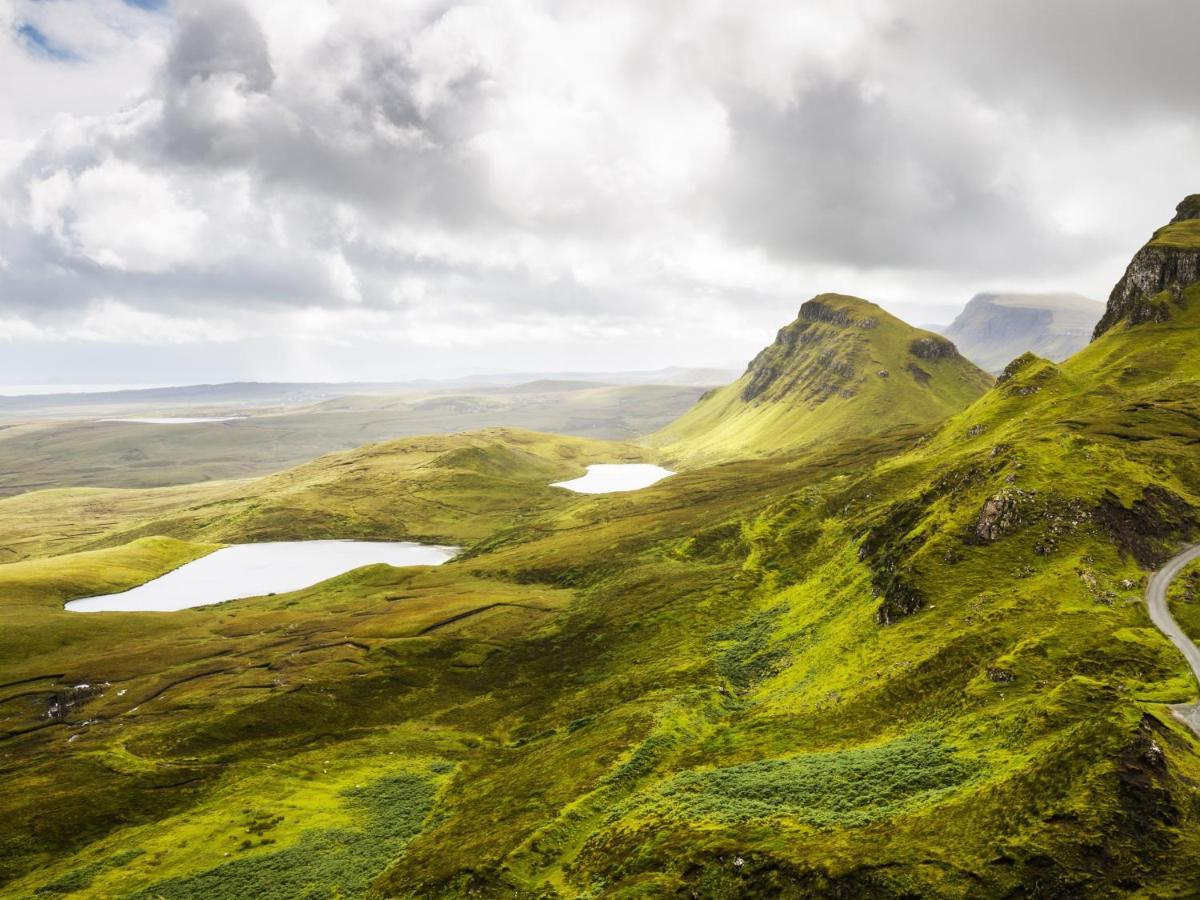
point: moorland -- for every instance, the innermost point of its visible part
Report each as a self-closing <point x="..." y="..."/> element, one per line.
<point x="882" y="635"/>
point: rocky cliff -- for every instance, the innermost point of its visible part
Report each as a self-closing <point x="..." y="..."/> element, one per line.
<point x="1150" y="289"/>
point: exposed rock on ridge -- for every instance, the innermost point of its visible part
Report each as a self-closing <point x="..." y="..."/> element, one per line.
<point x="1152" y="283"/>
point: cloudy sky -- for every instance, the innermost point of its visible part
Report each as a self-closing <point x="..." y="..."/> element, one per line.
<point x="349" y="189"/>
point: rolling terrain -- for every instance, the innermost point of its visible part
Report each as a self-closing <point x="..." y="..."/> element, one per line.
<point x="38" y="453"/>
<point x="865" y="646"/>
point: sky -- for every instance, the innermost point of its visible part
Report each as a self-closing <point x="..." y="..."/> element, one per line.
<point x="324" y="190"/>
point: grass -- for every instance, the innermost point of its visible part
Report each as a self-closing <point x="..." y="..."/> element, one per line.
<point x="1183" y="235"/>
<point x="1183" y="599"/>
<point x="323" y="863"/>
<point x="824" y="379"/>
<point x="647" y="687"/>
<point x="89" y="452"/>
<point x="836" y="788"/>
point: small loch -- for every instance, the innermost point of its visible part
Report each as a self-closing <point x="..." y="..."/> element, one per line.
<point x="178" y="420"/>
<point x="252" y="570"/>
<point x="611" y="478"/>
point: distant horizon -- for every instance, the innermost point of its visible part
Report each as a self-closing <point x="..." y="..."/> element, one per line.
<point x="32" y="390"/>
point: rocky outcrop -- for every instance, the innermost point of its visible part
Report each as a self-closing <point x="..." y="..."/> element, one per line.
<point x="932" y="348"/>
<point x="1149" y="289"/>
<point x="999" y="516"/>
<point x="1151" y="528"/>
<point x="1016" y="367"/>
<point x="816" y="310"/>
<point x="63" y="703"/>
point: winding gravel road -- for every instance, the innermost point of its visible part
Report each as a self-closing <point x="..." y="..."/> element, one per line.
<point x="1160" y="615"/>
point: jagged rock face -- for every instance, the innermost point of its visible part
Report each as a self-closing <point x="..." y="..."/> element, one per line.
<point x="812" y="371"/>
<point x="933" y="348"/>
<point x="817" y="311"/>
<point x="1188" y="209"/>
<point x="1151" y="284"/>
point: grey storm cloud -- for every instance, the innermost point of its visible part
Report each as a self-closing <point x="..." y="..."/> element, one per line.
<point x="1110" y="61"/>
<point x="841" y="176"/>
<point x="501" y="164"/>
<point x="219" y="37"/>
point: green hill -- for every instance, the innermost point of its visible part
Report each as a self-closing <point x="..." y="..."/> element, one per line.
<point x="882" y="665"/>
<point x="843" y="367"/>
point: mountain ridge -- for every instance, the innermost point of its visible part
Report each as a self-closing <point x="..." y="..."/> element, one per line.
<point x="844" y="365"/>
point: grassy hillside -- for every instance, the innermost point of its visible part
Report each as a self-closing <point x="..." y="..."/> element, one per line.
<point x="912" y="664"/>
<point x="93" y="453"/>
<point x="844" y="367"/>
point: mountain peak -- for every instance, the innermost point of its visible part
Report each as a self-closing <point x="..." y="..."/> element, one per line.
<point x="1188" y="209"/>
<point x="841" y="309"/>
<point x="1151" y="288"/>
<point x="843" y="367"/>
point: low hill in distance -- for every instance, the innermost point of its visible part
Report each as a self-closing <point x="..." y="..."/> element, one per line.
<point x="193" y="399"/>
<point x="994" y="329"/>
<point x="43" y="453"/>
<point x="844" y="367"/>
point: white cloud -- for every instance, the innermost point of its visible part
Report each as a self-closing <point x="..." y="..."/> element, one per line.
<point x="531" y="178"/>
<point x="123" y="217"/>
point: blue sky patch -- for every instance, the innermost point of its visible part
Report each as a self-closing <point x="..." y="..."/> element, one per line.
<point x="37" y="41"/>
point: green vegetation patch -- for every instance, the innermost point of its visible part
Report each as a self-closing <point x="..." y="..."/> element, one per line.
<point x="751" y="657"/>
<point x="1185" y="234"/>
<point x="843" y="787"/>
<point x="81" y="878"/>
<point x="1183" y="598"/>
<point x="335" y="862"/>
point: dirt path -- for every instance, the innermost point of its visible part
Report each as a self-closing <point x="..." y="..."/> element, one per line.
<point x="1160" y="615"/>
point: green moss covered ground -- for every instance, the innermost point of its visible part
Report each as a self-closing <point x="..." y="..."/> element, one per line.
<point x="912" y="664"/>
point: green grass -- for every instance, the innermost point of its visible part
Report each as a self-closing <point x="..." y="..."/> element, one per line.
<point x="323" y="863"/>
<point x="1184" y="235"/>
<point x="624" y="695"/>
<point x="1183" y="598"/>
<point x="826" y="381"/>
<point x="36" y="454"/>
<point x="841" y="787"/>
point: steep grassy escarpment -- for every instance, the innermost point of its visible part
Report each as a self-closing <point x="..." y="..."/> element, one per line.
<point x="844" y="367"/>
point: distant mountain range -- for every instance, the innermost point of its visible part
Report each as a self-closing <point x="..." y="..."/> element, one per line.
<point x="994" y="329"/>
<point x="267" y="393"/>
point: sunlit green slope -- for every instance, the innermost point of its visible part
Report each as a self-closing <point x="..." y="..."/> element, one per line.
<point x="904" y="665"/>
<point x="844" y="367"/>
